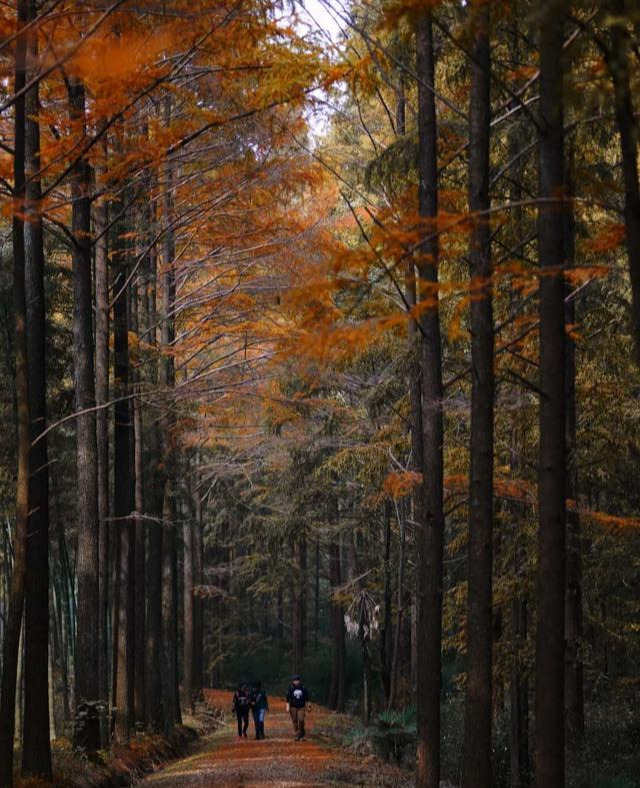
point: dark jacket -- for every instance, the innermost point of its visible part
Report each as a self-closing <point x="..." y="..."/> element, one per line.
<point x="259" y="699"/>
<point x="297" y="697"/>
<point x="241" y="702"/>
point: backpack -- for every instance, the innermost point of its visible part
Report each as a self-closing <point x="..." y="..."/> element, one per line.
<point x="242" y="700"/>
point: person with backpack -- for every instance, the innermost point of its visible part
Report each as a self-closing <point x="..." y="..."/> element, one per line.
<point x="298" y="705"/>
<point x="241" y="706"/>
<point x="259" y="708"/>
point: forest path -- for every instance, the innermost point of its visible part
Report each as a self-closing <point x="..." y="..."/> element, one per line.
<point x="275" y="762"/>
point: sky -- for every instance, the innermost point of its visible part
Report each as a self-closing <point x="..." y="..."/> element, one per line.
<point x="317" y="15"/>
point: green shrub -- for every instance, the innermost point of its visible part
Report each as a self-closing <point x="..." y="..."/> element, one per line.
<point x="391" y="735"/>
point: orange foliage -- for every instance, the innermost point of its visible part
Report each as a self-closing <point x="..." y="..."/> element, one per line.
<point x="400" y="484"/>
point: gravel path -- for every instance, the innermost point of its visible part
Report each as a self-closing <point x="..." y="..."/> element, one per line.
<point x="276" y="762"/>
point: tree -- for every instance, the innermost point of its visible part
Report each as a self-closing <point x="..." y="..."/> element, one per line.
<point x="617" y="59"/>
<point x="169" y="532"/>
<point x="478" y="708"/>
<point x="36" y="747"/>
<point x="123" y="482"/>
<point x="549" y="692"/>
<point x="431" y="539"/>
<point x="13" y="627"/>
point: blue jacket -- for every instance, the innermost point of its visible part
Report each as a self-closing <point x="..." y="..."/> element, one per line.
<point x="259" y="699"/>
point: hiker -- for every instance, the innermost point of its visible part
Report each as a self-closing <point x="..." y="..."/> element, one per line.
<point x="241" y="706"/>
<point x="298" y="705"/>
<point x="259" y="708"/>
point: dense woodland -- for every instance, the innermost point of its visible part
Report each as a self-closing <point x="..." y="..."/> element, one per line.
<point x="320" y="351"/>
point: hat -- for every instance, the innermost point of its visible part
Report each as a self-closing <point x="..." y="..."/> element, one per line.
<point x="296" y="677"/>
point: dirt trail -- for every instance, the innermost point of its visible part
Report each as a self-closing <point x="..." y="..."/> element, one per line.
<point x="276" y="762"/>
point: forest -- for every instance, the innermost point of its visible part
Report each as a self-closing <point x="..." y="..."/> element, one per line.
<point x="320" y="354"/>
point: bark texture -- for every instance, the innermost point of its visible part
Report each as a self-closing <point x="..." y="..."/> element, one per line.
<point x="431" y="535"/>
<point x="478" y="711"/>
<point x="549" y="694"/>
<point x="13" y="625"/>
<point x="36" y="747"/>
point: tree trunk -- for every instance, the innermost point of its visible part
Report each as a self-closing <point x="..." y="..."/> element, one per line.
<point x="198" y="607"/>
<point x="430" y="539"/>
<point x="316" y="594"/>
<point x="122" y="492"/>
<point x="140" y="527"/>
<point x="574" y="674"/>
<point x="169" y="537"/>
<point x="519" y="698"/>
<point x="101" y="220"/>
<point x="155" y="714"/>
<point x="334" y="613"/>
<point x="549" y="697"/>
<point x="520" y="762"/>
<point x="87" y="725"/>
<point x="478" y="712"/>
<point x="386" y="631"/>
<point x="395" y="658"/>
<point x="299" y="602"/>
<point x="36" y="747"/>
<point x="617" y="59"/>
<point x="188" y="614"/>
<point x="11" y="646"/>
<point x="170" y="611"/>
<point x="154" y="683"/>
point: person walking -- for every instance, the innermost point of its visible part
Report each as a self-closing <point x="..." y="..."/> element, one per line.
<point x="259" y="708"/>
<point x="241" y="705"/>
<point x="298" y="705"/>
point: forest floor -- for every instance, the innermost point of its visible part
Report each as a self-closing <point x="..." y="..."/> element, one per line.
<point x="226" y="761"/>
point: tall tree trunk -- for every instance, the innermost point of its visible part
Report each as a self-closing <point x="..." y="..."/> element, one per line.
<point x="122" y="490"/>
<point x="169" y="537"/>
<point x="198" y="607"/>
<point x="87" y="720"/>
<point x="316" y="594"/>
<point x="574" y="673"/>
<point x="414" y="340"/>
<point x="20" y="688"/>
<point x="549" y="696"/>
<point x="386" y="631"/>
<point x="400" y="603"/>
<point x="520" y="762"/>
<point x="13" y="629"/>
<point x="139" y="524"/>
<point x="336" y="688"/>
<point x="299" y="602"/>
<point x="431" y="538"/>
<point x="617" y="59"/>
<point x="36" y="747"/>
<point x="478" y="713"/>
<point x="170" y="610"/>
<point x="280" y="607"/>
<point x="101" y="220"/>
<point x="187" y="610"/>
<point x="519" y="698"/>
<point x="153" y="634"/>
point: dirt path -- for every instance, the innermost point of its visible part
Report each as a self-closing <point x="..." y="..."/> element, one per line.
<point x="276" y="762"/>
